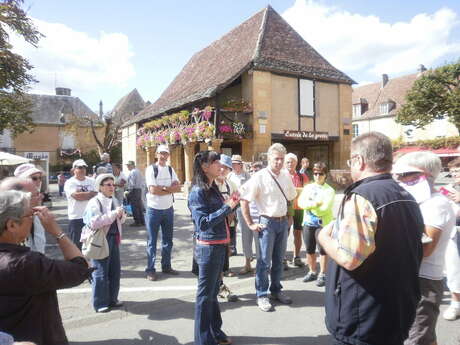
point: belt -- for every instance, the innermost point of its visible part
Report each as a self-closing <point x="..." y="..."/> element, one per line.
<point x="274" y="218"/>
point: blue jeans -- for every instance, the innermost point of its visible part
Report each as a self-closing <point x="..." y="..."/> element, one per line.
<point x="75" y="227"/>
<point x="272" y="241"/>
<point x="154" y="219"/>
<point x="106" y="277"/>
<point x="208" y="322"/>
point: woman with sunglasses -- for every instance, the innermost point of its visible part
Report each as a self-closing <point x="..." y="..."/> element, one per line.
<point x="317" y="200"/>
<point x="103" y="211"/>
<point x="209" y="213"/>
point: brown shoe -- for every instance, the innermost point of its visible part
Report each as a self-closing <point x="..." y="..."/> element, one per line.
<point x="151" y="276"/>
<point x="170" y="271"/>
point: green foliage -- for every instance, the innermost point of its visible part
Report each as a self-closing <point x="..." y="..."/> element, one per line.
<point x="435" y="95"/>
<point x="15" y="108"/>
<point x="450" y="142"/>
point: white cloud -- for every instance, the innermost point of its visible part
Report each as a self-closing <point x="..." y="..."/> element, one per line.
<point x="356" y="43"/>
<point x="73" y="59"/>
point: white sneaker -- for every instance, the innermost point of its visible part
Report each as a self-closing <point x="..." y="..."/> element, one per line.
<point x="264" y="303"/>
<point x="451" y="313"/>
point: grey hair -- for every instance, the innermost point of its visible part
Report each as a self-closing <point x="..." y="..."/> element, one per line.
<point x="290" y="155"/>
<point x="12" y="206"/>
<point x="427" y="161"/>
<point x="376" y="150"/>
<point x="276" y="147"/>
<point x="105" y="155"/>
<point x="101" y="170"/>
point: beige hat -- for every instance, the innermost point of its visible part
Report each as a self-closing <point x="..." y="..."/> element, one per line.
<point x="100" y="178"/>
<point x="26" y="170"/>
<point x="237" y="159"/>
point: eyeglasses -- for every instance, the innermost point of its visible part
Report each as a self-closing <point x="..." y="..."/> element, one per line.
<point x="108" y="185"/>
<point x="81" y="167"/>
<point x="36" y="178"/>
<point x="318" y="174"/>
<point x="349" y="161"/>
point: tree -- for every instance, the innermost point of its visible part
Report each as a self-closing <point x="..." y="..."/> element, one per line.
<point x="435" y="95"/>
<point x="15" y="107"/>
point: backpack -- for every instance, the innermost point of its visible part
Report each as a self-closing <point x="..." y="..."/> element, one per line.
<point x="155" y="174"/>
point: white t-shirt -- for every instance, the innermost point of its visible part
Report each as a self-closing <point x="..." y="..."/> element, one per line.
<point x="159" y="202"/>
<point x="437" y="212"/>
<point x="75" y="208"/>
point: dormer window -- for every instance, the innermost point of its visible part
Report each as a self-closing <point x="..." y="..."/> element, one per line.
<point x="386" y="107"/>
<point x="360" y="108"/>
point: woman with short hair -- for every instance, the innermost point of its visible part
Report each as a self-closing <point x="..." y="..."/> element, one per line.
<point x="209" y="213"/>
<point x="104" y="212"/>
<point x="29" y="309"/>
<point x="317" y="201"/>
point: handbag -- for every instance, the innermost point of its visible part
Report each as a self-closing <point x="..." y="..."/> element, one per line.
<point x="95" y="246"/>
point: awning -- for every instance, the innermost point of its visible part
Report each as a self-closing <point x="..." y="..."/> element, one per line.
<point x="10" y="159"/>
<point x="442" y="152"/>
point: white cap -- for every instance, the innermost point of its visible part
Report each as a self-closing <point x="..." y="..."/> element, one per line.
<point x="403" y="168"/>
<point x="79" y="163"/>
<point x="162" y="148"/>
<point x="26" y="170"/>
<point x="100" y="178"/>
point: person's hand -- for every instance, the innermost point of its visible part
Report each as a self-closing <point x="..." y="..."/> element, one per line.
<point x="319" y="203"/>
<point x="175" y="183"/>
<point x="257" y="227"/>
<point x="120" y="211"/>
<point x="232" y="202"/>
<point x="454" y="196"/>
<point x="47" y="219"/>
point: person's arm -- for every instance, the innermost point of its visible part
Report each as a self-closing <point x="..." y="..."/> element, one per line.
<point x="435" y="235"/>
<point x="352" y="243"/>
<point x="304" y="201"/>
<point x="68" y="248"/>
<point x="326" y="202"/>
<point x="83" y="196"/>
<point x="202" y="218"/>
<point x="93" y="217"/>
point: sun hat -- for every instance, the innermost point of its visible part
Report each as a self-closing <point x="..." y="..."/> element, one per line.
<point x="226" y="160"/>
<point x="26" y="170"/>
<point x="100" y="178"/>
<point x="131" y="163"/>
<point x="79" y="163"/>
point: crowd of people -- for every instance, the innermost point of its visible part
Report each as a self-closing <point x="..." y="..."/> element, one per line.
<point x="382" y="257"/>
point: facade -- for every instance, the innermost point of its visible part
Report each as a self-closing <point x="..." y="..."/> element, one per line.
<point x="51" y="140"/>
<point x="265" y="84"/>
<point x="375" y="107"/>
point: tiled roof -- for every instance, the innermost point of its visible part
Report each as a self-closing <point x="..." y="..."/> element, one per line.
<point x="394" y="90"/>
<point x="48" y="109"/>
<point x="263" y="42"/>
<point x="128" y="106"/>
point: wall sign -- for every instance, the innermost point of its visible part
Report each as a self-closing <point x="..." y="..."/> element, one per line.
<point x="306" y="135"/>
<point x="41" y="156"/>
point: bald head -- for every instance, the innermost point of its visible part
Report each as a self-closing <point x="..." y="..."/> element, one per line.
<point x="21" y="184"/>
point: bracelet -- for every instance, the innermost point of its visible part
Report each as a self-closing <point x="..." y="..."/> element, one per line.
<point x="60" y="236"/>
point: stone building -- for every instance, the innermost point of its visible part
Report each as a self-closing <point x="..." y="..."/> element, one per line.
<point x="265" y="84"/>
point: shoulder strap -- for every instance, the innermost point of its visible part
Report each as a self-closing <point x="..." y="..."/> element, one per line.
<point x="281" y="189"/>
<point x="155" y="171"/>
<point x="100" y="205"/>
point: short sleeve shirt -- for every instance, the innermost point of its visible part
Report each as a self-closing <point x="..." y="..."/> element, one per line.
<point x="76" y="208"/>
<point x="164" y="178"/>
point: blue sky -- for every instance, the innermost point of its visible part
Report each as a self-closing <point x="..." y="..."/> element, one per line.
<point x="103" y="49"/>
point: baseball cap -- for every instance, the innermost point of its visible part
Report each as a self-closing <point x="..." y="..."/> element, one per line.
<point x="130" y="163"/>
<point x="79" y="163"/>
<point x="402" y="168"/>
<point x="26" y="170"/>
<point x="162" y="148"/>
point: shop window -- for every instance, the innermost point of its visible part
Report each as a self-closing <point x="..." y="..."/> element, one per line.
<point x="306" y="97"/>
<point x="355" y="131"/>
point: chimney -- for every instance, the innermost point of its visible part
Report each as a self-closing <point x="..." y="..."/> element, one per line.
<point x="384" y="80"/>
<point x="101" y="111"/>
<point x="63" y="91"/>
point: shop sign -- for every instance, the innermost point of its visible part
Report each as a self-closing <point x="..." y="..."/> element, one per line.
<point x="306" y="135"/>
<point x="39" y="156"/>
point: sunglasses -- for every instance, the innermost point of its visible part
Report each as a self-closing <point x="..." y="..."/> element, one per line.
<point x="36" y="178"/>
<point x="108" y="185"/>
<point x="318" y="174"/>
<point x="81" y="167"/>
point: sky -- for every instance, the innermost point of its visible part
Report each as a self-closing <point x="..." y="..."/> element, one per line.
<point x="104" y="49"/>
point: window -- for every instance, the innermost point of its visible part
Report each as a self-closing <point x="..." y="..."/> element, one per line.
<point x="306" y="97"/>
<point x="355" y="131"/>
<point x="384" y="109"/>
<point x="357" y="110"/>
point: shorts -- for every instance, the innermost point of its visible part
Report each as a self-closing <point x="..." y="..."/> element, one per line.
<point x="309" y="238"/>
<point x="298" y="219"/>
<point x="423" y="330"/>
